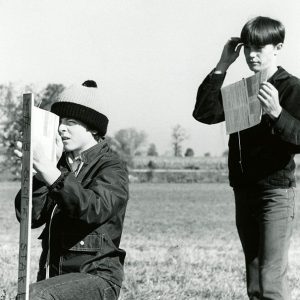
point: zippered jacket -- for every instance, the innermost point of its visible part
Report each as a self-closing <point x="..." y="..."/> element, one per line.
<point x="261" y="156"/>
<point x="83" y="216"/>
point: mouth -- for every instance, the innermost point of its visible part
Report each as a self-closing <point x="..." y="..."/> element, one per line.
<point x="64" y="138"/>
<point x="253" y="63"/>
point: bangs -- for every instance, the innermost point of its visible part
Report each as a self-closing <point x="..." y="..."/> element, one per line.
<point x="262" y="31"/>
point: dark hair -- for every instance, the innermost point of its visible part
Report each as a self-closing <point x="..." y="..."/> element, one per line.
<point x="98" y="137"/>
<point x="261" y="31"/>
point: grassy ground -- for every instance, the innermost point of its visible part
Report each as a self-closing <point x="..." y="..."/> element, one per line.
<point x="180" y="240"/>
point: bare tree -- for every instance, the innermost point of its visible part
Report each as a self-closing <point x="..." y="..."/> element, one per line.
<point x="178" y="136"/>
<point x="127" y="143"/>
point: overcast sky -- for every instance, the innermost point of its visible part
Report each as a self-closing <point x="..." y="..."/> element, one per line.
<point x="147" y="56"/>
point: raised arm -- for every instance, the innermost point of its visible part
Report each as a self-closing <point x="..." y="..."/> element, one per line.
<point x="209" y="108"/>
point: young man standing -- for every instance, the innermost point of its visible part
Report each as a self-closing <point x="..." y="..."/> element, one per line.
<point x="261" y="159"/>
<point x="81" y="202"/>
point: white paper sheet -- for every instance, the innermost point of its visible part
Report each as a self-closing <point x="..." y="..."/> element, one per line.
<point x="44" y="130"/>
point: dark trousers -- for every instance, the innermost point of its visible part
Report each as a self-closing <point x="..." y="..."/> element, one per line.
<point x="74" y="286"/>
<point x="264" y="220"/>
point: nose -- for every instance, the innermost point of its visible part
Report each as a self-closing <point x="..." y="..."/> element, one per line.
<point x="62" y="128"/>
<point x="252" y="53"/>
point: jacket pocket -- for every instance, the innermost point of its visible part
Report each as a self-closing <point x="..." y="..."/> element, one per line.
<point x="78" y="253"/>
<point x="89" y="243"/>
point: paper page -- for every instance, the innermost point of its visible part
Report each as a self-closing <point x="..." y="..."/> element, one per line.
<point x="242" y="108"/>
<point x="44" y="130"/>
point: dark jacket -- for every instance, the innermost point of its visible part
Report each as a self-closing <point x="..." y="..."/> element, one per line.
<point x="262" y="155"/>
<point x="88" y="214"/>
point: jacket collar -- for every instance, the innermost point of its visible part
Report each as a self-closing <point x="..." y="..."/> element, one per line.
<point x="94" y="152"/>
<point x="280" y="74"/>
<point x="90" y="154"/>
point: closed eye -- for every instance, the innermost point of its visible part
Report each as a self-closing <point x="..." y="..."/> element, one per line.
<point x="71" y="122"/>
<point x="68" y="121"/>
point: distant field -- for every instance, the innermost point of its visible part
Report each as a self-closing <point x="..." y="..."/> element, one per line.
<point x="171" y="162"/>
<point x="180" y="240"/>
<point x="194" y="163"/>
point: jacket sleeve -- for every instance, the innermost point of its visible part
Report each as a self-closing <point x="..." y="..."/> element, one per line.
<point x="209" y="107"/>
<point x="287" y="126"/>
<point x="104" y="195"/>
<point x="41" y="205"/>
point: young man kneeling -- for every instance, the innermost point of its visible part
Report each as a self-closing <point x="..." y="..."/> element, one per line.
<point x="81" y="202"/>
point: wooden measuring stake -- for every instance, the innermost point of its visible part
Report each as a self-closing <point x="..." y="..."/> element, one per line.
<point x="26" y="201"/>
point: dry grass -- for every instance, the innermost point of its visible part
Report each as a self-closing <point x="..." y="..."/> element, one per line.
<point x="180" y="240"/>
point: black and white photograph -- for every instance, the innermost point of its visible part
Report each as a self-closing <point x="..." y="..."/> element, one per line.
<point x="149" y="150"/>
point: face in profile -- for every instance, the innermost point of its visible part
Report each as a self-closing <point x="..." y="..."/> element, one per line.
<point x="76" y="137"/>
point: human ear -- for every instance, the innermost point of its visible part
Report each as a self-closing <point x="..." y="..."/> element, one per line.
<point x="278" y="47"/>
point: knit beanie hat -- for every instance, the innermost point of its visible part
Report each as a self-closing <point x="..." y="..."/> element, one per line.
<point x="82" y="102"/>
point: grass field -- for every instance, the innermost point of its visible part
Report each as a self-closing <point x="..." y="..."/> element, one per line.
<point x="180" y="239"/>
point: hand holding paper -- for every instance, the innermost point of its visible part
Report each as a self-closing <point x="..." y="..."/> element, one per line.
<point x="45" y="130"/>
<point x="46" y="143"/>
<point x="268" y="97"/>
<point x="18" y="149"/>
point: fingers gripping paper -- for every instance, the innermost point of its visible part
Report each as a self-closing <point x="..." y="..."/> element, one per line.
<point x="242" y="108"/>
<point x="44" y="130"/>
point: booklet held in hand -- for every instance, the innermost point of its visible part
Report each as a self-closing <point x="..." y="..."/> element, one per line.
<point x="242" y="108"/>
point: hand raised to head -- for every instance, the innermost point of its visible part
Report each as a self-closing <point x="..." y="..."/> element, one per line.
<point x="230" y="53"/>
